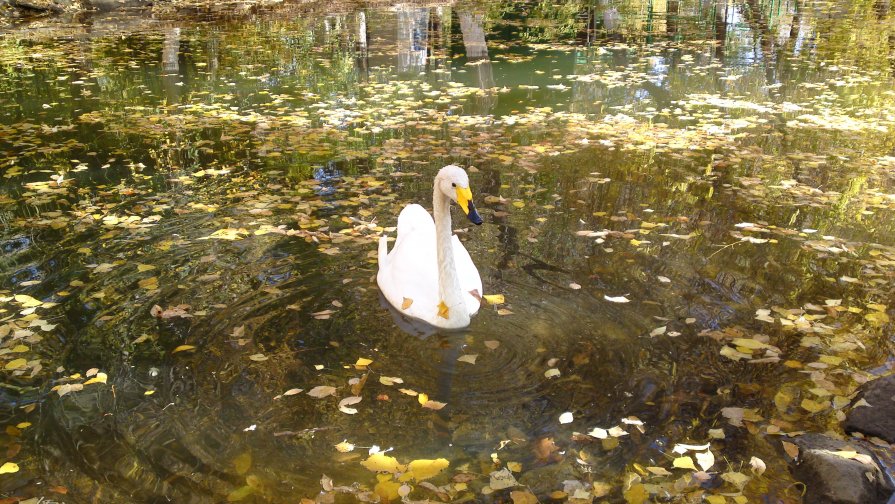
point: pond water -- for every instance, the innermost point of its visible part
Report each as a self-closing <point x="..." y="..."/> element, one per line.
<point x="688" y="212"/>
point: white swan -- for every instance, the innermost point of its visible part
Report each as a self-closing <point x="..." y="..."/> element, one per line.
<point x="429" y="275"/>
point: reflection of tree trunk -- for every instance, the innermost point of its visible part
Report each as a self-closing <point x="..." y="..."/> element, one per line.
<point x="171" y="51"/>
<point x="440" y="57"/>
<point x="413" y="38"/>
<point x="171" y="64"/>
<point x="671" y="27"/>
<point x="471" y="26"/>
<point x="361" y="47"/>
<point x="720" y="28"/>
<point x="213" y="57"/>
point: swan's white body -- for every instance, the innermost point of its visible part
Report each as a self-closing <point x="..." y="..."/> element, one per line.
<point x="429" y="275"/>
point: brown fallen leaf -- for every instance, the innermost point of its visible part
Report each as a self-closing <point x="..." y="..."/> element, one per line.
<point x="544" y="448"/>
<point x="791" y="449"/>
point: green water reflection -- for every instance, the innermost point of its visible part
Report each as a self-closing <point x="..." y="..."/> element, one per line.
<point x="725" y="167"/>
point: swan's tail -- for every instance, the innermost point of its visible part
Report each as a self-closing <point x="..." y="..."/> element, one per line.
<point x="383" y="250"/>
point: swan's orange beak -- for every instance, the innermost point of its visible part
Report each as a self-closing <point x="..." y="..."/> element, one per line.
<point x="464" y="196"/>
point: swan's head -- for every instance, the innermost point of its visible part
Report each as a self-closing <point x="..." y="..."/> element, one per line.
<point x="454" y="183"/>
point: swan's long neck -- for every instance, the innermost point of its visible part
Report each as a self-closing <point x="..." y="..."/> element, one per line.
<point x="448" y="281"/>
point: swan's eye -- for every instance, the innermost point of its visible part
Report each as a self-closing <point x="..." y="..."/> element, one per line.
<point x="453" y="184"/>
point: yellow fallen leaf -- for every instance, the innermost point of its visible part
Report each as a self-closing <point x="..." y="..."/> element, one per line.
<point x="514" y="466"/>
<point x="9" y="467"/>
<point x="422" y="398"/>
<point x="380" y="462"/>
<point x="387" y="490"/>
<point x="494" y="299"/>
<point x="362" y="362"/>
<point x="424" y="469"/>
<point x="15" y="364"/>
<point x="469" y="358"/>
<point x="27" y="301"/>
<point x="99" y="378"/>
<point x="183" y="348"/>
<point x="443" y="310"/>
<point x="144" y="267"/>
<point x="150" y="283"/>
<point x="684" y="462"/>
<point x="406" y="304"/>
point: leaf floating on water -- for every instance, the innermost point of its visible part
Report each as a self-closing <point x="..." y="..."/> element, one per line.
<point x="183" y="348"/>
<point x="390" y="380"/>
<point x="551" y="373"/>
<point x="9" y="467"/>
<point x="682" y="448"/>
<point x="616" y="299"/>
<point x="15" y="364"/>
<point x="574" y="286"/>
<point x="705" y="460"/>
<point x="424" y="469"/>
<point x="406" y="303"/>
<point x="470" y="358"/>
<point x="791" y="449"/>
<point x="566" y="417"/>
<point x="69" y="388"/>
<point x="502" y="479"/>
<point x="99" y="378"/>
<point x="380" y="462"/>
<point x="292" y="391"/>
<point x="492" y="344"/>
<point x="659" y="471"/>
<point x="322" y="391"/>
<point x="657" y="331"/>
<point x="150" y="283"/>
<point x="348" y="401"/>
<point x="258" y="357"/>
<point x="758" y="465"/>
<point x="598" y="433"/>
<point x="344" y="447"/>
<point x="434" y="405"/>
<point x="27" y="301"/>
<point x="362" y="362"/>
<point x="684" y="462"/>
<point x="504" y="311"/>
<point x="443" y="310"/>
<point x="523" y="497"/>
<point x="227" y="234"/>
<point x="494" y="299"/>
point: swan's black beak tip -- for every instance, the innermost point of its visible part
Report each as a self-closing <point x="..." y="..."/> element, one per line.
<point x="473" y="215"/>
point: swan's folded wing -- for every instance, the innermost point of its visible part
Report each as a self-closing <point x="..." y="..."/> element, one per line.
<point x="411" y="271"/>
<point x="469" y="276"/>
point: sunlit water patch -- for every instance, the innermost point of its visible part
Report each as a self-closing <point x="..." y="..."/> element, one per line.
<point x="687" y="239"/>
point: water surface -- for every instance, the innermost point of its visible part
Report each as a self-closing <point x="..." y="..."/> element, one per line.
<point x="725" y="169"/>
